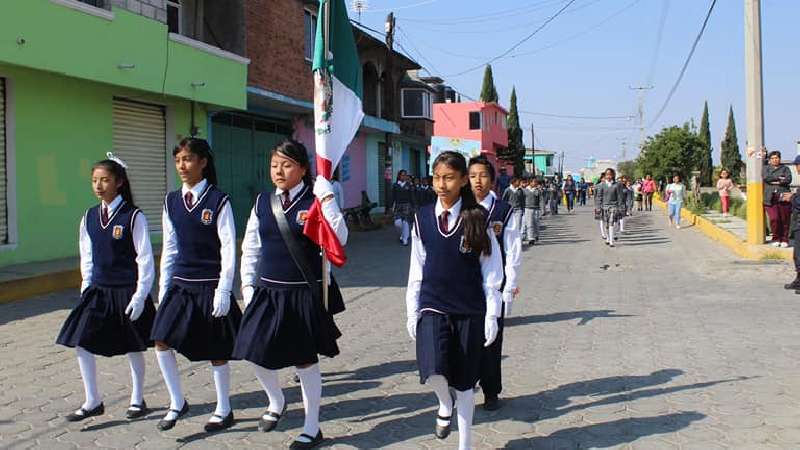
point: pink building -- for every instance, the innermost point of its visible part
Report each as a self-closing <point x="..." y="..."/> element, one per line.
<point x="467" y="127"/>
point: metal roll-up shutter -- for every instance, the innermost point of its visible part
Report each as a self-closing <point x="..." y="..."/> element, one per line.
<point x="3" y="168"/>
<point x="140" y="138"/>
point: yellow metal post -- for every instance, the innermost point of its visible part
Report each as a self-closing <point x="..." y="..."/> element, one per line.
<point x="755" y="121"/>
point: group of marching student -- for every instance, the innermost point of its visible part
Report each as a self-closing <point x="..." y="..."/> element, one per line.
<point x="613" y="202"/>
<point x="284" y="322"/>
<point x="462" y="282"/>
<point x="409" y="194"/>
<point x="465" y="251"/>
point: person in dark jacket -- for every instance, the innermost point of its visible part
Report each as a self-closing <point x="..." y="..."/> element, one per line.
<point x="608" y="204"/>
<point x="777" y="179"/>
<point x="570" y="191"/>
<point x="515" y="196"/>
<point x="794" y="228"/>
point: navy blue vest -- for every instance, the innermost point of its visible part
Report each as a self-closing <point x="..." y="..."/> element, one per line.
<point x="402" y="194"/>
<point x="275" y="263"/>
<point x="499" y="215"/>
<point x="113" y="253"/>
<point x="196" y="230"/>
<point x="452" y="281"/>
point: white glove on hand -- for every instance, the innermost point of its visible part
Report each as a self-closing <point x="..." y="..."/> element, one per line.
<point x="247" y="294"/>
<point x="222" y="303"/>
<point x="135" y="308"/>
<point x="411" y="326"/>
<point x="490" y="330"/>
<point x="322" y="188"/>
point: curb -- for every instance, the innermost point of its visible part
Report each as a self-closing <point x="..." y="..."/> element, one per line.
<point x="728" y="239"/>
<point x="23" y="288"/>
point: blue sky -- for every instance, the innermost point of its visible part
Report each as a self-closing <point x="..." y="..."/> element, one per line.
<point x="584" y="62"/>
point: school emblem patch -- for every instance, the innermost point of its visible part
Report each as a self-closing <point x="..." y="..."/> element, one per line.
<point x="497" y="227"/>
<point x="116" y="232"/>
<point x="301" y="217"/>
<point x="206" y="216"/>
<point x="462" y="247"/>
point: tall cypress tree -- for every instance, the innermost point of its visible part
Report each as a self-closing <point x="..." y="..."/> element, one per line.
<point x="704" y="162"/>
<point x="488" y="91"/>
<point x="731" y="158"/>
<point x="516" y="147"/>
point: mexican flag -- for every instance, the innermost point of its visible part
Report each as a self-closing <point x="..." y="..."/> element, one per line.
<point x="337" y="108"/>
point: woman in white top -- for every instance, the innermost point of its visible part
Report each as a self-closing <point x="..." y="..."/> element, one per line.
<point x="676" y="191"/>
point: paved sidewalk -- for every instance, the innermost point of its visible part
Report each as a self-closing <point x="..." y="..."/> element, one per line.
<point x="666" y="341"/>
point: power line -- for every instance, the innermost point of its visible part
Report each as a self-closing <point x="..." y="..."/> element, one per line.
<point x="522" y="41"/>
<point x="501" y="14"/>
<point x="414" y="5"/>
<point x="659" y="36"/>
<point x="685" y="65"/>
<point x="565" y="116"/>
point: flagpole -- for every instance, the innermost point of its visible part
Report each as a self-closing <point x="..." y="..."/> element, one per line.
<point x="326" y="265"/>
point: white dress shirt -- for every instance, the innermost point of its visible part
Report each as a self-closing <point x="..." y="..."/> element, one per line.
<point x="141" y="243"/>
<point x="491" y="267"/>
<point x="226" y="230"/>
<point x="512" y="243"/>
<point x="251" y="245"/>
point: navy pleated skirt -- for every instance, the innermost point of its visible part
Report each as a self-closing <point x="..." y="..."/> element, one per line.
<point x="99" y="323"/>
<point x="451" y="346"/>
<point x="284" y="326"/>
<point x="184" y="322"/>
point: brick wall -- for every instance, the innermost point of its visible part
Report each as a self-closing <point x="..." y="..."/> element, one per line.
<point x="275" y="46"/>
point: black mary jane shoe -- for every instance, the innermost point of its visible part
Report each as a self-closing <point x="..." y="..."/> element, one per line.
<point x="314" y="441"/>
<point x="82" y="413"/>
<point x="269" y="425"/>
<point x="491" y="403"/>
<point x="137" y="411"/>
<point x="226" y="422"/>
<point x="443" y="431"/>
<point x="165" y="424"/>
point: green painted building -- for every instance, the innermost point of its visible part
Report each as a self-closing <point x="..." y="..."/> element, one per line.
<point x="79" y="79"/>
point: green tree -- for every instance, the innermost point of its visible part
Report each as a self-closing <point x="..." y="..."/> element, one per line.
<point x="729" y="149"/>
<point x="672" y="151"/>
<point x="627" y="168"/>
<point x="516" y="147"/>
<point x="488" y="91"/>
<point x="705" y="163"/>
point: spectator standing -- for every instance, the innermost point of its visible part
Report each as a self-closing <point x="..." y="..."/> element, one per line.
<point x="724" y="186"/>
<point x="777" y="179"/>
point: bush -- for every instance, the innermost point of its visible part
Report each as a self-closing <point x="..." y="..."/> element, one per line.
<point x="711" y="201"/>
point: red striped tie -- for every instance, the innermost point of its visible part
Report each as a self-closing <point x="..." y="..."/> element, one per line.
<point x="188" y="198"/>
<point x="443" y="221"/>
<point x="104" y="215"/>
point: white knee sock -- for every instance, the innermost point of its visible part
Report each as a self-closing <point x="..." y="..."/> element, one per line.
<point x="269" y="381"/>
<point x="88" y="367"/>
<point x="311" y="384"/>
<point x="222" y="382"/>
<point x="621" y="225"/>
<point x="603" y="229"/>
<point x="611" y="234"/>
<point x="466" y="407"/>
<point x="439" y="385"/>
<point x="136" y="361"/>
<point x="405" y="234"/>
<point x="169" y="370"/>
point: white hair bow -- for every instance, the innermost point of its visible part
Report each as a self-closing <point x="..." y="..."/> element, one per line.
<point x="117" y="160"/>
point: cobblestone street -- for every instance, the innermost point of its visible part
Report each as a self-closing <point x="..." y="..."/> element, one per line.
<point x="666" y="341"/>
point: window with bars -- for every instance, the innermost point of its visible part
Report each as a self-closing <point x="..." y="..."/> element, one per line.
<point x="310" y="25"/>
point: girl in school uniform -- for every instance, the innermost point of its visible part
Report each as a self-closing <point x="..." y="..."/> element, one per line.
<point x="403" y="205"/>
<point x="197" y="315"/>
<point x="285" y="323"/>
<point x="453" y="298"/>
<point x="116" y="313"/>
<point x="608" y="204"/>
<point x="504" y="229"/>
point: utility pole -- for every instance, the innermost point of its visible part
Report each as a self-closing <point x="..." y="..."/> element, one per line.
<point x="641" y="91"/>
<point x="755" y="121"/>
<point x="533" y="151"/>
<point x="624" y="143"/>
<point x="389" y="104"/>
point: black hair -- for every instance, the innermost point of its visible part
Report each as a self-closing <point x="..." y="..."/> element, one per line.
<point x="120" y="174"/>
<point x="485" y="162"/>
<point x="202" y="149"/>
<point x="473" y="215"/>
<point x="613" y="173"/>
<point x="401" y="172"/>
<point x="773" y="153"/>
<point x="297" y="152"/>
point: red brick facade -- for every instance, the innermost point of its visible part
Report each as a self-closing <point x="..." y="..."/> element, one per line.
<point x="275" y="46"/>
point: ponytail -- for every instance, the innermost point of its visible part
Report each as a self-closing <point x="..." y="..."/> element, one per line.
<point x="120" y="174"/>
<point x="202" y="149"/>
<point x="473" y="216"/>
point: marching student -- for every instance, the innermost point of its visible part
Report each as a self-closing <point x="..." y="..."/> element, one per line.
<point x="623" y="210"/>
<point x="197" y="314"/>
<point x="285" y="322"/>
<point x="502" y="224"/>
<point x="515" y="196"/>
<point x="116" y="313"/>
<point x="608" y="203"/>
<point x="452" y="298"/>
<point x="534" y="198"/>
<point x="403" y="205"/>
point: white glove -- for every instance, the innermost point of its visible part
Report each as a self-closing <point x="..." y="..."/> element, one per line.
<point x="411" y="326"/>
<point x="490" y="330"/>
<point x="222" y="303"/>
<point x="247" y="294"/>
<point x="322" y="188"/>
<point x="135" y="308"/>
